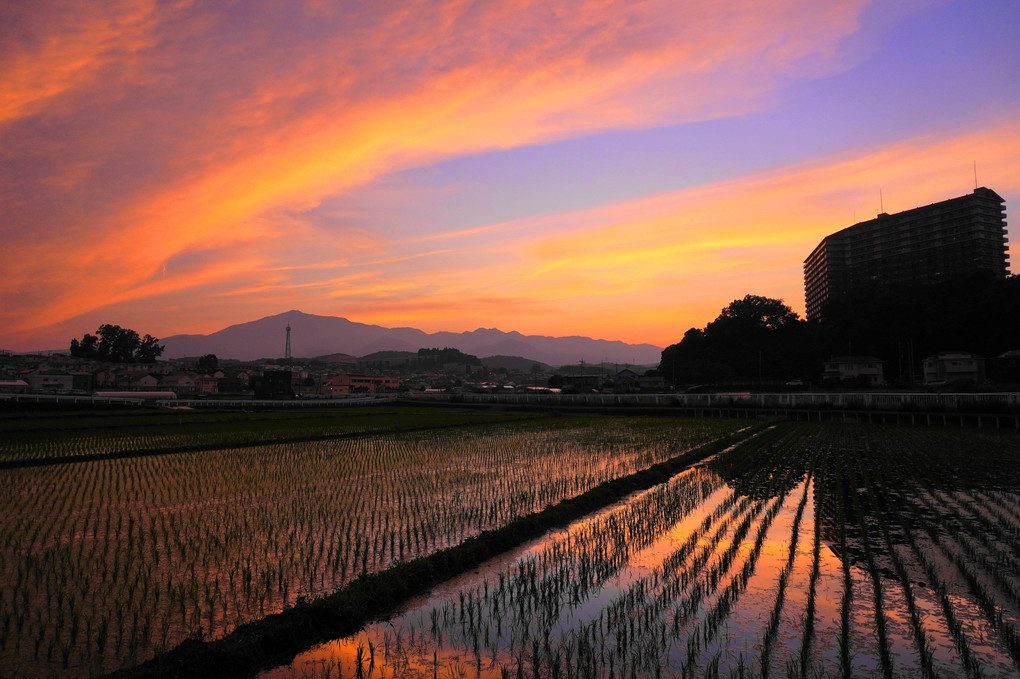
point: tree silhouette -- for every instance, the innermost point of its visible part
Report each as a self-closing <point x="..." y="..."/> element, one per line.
<point x="207" y="364"/>
<point x="148" y="350"/>
<point x="117" y="344"/>
<point x="753" y="338"/>
<point x="755" y="312"/>
<point x="758" y="337"/>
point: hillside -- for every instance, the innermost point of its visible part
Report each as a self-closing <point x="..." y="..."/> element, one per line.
<point x="313" y="335"/>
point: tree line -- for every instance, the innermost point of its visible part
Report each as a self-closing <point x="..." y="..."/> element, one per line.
<point x="447" y="355"/>
<point x="116" y="344"/>
<point x="761" y="339"/>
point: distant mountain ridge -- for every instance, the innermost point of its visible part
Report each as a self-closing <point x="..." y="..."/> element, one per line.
<point x="313" y="335"/>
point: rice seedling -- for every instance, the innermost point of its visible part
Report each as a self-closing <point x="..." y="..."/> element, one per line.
<point x="698" y="577"/>
<point x="104" y="562"/>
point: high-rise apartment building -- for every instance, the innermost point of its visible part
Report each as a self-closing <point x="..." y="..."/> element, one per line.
<point x="921" y="246"/>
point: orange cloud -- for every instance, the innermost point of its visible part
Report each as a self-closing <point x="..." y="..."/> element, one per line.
<point x="238" y="134"/>
<point x="228" y="122"/>
<point x="640" y="271"/>
<point x="59" y="47"/>
<point x="653" y="268"/>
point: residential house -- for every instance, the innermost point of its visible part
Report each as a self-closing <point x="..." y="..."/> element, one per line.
<point x="144" y="382"/>
<point x="1006" y="366"/>
<point x="228" y="385"/>
<point x="50" y="381"/>
<point x="336" y="385"/>
<point x="584" y="382"/>
<point x="133" y="379"/>
<point x="627" y="380"/>
<point x="104" y="379"/>
<point x="867" y="369"/>
<point x="206" y="384"/>
<point x="179" y="383"/>
<point x="13" y="387"/>
<point x="954" y="366"/>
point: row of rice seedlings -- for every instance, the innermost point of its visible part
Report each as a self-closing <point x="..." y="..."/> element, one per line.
<point x="994" y="517"/>
<point x="832" y="466"/>
<point x="980" y="546"/>
<point x="785" y="462"/>
<point x="990" y="519"/>
<point x="699" y="614"/>
<point x="662" y="605"/>
<point x="107" y="562"/>
<point x="935" y="581"/>
<point x="521" y="608"/>
<point x="937" y="513"/>
<point x="534" y="620"/>
<point x="982" y="540"/>
<point x="675" y="594"/>
<point x="959" y="549"/>
<point x="884" y="654"/>
<point x="978" y="464"/>
<point x="807" y="638"/>
<point x="700" y="650"/>
<point x="879" y="509"/>
<point x="546" y="628"/>
<point x="990" y="494"/>
<point x="92" y="443"/>
<point x="867" y="451"/>
<point x="986" y="542"/>
<point x="1007" y="506"/>
<point x="643" y="622"/>
<point x="772" y="630"/>
<point x="875" y="506"/>
<point x="611" y="619"/>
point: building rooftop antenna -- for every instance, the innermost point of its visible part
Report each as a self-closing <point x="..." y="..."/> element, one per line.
<point x="286" y="352"/>
<point x="975" y="176"/>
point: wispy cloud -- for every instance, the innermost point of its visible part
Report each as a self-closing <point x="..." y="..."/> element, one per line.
<point x="135" y="131"/>
<point x="201" y="140"/>
<point x="61" y="49"/>
<point x="672" y="261"/>
<point x="651" y="267"/>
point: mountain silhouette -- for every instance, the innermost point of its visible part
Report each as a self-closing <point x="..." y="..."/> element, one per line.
<point x="313" y="335"/>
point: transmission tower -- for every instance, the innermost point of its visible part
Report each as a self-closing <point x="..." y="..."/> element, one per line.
<point x="286" y="352"/>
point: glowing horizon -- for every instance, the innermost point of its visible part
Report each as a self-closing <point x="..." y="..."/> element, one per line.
<point x="612" y="171"/>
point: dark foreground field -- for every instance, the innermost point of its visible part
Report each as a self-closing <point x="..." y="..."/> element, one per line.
<point x="807" y="550"/>
<point x="125" y="534"/>
<point x="810" y="550"/>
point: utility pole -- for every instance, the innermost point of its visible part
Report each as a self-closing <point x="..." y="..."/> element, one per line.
<point x="286" y="352"/>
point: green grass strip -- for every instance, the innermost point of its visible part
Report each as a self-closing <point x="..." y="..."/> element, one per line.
<point x="279" y="438"/>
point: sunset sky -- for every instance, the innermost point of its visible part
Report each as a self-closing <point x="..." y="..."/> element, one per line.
<point x="621" y="170"/>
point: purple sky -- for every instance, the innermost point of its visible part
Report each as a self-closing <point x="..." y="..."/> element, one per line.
<point x="613" y="170"/>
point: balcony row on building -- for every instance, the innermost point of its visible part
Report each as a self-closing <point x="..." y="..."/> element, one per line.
<point x="921" y="246"/>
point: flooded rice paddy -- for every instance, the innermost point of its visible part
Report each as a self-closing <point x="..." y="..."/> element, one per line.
<point x="810" y="551"/>
<point x="104" y="563"/>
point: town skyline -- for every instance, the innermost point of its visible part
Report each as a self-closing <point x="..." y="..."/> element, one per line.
<point x="619" y="173"/>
